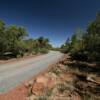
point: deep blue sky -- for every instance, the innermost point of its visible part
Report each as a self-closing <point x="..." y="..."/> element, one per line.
<point x="55" y="19"/>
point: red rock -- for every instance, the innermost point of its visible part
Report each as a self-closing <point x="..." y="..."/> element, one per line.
<point x="42" y="79"/>
<point x="38" y="88"/>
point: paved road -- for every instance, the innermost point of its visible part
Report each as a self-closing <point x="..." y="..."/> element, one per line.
<point x="12" y="74"/>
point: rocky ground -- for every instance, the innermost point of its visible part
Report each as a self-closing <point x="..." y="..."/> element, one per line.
<point x="63" y="82"/>
<point x="66" y="80"/>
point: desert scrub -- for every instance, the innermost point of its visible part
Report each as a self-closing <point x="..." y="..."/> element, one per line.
<point x="88" y="91"/>
<point x="44" y="97"/>
<point x="55" y="70"/>
<point x="43" y="50"/>
<point x="69" y="86"/>
<point x="89" y="97"/>
<point x="29" y="93"/>
<point x="49" y="92"/>
<point x="61" y="87"/>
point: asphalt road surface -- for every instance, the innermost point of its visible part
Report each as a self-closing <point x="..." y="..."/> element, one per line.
<point x="12" y="74"/>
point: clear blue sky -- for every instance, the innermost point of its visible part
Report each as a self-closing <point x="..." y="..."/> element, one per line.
<point x="55" y="19"/>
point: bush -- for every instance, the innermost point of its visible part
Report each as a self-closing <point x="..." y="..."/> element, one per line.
<point x="42" y="98"/>
<point x="55" y="70"/>
<point x="64" y="50"/>
<point x="95" y="56"/>
<point x="43" y="51"/>
<point x="61" y="87"/>
<point x="79" y="55"/>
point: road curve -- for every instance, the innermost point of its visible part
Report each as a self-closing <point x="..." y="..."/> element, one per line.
<point x="12" y="74"/>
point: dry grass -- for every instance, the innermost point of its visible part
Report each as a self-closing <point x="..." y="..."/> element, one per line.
<point x="75" y="84"/>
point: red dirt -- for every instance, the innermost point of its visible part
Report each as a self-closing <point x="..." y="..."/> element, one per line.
<point x="19" y="93"/>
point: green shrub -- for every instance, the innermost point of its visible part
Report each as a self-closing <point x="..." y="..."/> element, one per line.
<point x="61" y="87"/>
<point x="29" y="93"/>
<point x="55" y="70"/>
<point x="94" y="56"/>
<point x="79" y="55"/>
<point x="43" y="50"/>
<point x="49" y="92"/>
<point x="42" y="98"/>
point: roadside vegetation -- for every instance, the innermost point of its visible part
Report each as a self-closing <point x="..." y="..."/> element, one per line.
<point x="84" y="51"/>
<point x="85" y="45"/>
<point x="14" y="42"/>
<point x="65" y="81"/>
<point x="77" y="75"/>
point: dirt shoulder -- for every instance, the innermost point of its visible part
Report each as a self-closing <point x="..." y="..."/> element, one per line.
<point x="12" y="60"/>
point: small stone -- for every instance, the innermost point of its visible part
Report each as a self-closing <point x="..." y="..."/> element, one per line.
<point x="42" y="79"/>
<point x="90" y="78"/>
<point x="28" y="84"/>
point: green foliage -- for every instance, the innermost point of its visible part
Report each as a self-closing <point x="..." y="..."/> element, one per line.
<point x="41" y="45"/>
<point x="79" y="55"/>
<point x="13" y="41"/>
<point x="42" y="98"/>
<point x="56" y="70"/>
<point x="65" y="48"/>
<point x="61" y="87"/>
<point x="29" y="45"/>
<point x="49" y="92"/>
<point x="86" y="45"/>
<point x="43" y="50"/>
<point x="2" y="37"/>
